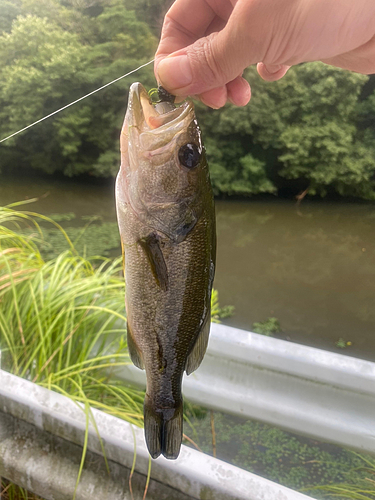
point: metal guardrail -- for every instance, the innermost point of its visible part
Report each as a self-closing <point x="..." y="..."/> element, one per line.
<point x="305" y="390"/>
<point x="302" y="389"/>
<point x="41" y="439"/>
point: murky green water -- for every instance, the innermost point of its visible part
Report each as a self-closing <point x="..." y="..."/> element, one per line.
<point x="311" y="267"/>
<point x="295" y="461"/>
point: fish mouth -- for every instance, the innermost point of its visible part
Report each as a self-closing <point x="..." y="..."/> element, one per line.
<point x="148" y="116"/>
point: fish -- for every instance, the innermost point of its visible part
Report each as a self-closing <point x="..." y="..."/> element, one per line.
<point x="166" y="217"/>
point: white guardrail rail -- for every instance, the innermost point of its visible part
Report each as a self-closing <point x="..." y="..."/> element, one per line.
<point x="302" y="389"/>
<point x="309" y="391"/>
<point x="41" y="440"/>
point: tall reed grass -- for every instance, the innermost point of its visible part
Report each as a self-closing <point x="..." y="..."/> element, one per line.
<point x="362" y="489"/>
<point x="62" y="321"/>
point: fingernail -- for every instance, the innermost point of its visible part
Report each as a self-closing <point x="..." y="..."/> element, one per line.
<point x="175" y="72"/>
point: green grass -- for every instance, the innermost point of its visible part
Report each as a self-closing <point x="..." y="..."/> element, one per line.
<point x="10" y="491"/>
<point x="268" y="327"/>
<point x="62" y="320"/>
<point x="361" y="489"/>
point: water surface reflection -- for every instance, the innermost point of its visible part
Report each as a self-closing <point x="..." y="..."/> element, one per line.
<point x="313" y="268"/>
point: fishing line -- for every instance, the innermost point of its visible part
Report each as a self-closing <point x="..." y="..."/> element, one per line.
<point x="74" y="102"/>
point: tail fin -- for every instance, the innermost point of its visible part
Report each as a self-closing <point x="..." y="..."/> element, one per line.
<point x="163" y="429"/>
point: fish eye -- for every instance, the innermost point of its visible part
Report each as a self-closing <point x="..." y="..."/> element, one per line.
<point x="189" y="155"/>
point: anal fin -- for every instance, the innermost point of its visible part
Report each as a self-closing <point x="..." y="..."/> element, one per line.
<point x="196" y="356"/>
<point x="134" y="352"/>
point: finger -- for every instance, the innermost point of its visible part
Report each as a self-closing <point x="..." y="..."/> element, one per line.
<point x="188" y="20"/>
<point x="214" y="60"/>
<point x="195" y="16"/>
<point x="271" y="73"/>
<point x="217" y="24"/>
<point x="185" y="22"/>
<point x="361" y="59"/>
<point x="210" y="62"/>
<point x="214" y="98"/>
<point x="239" y="91"/>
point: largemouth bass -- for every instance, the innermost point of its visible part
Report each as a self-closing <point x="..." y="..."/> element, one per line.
<point x="166" y="216"/>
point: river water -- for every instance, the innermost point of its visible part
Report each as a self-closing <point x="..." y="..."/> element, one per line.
<point x="312" y="267"/>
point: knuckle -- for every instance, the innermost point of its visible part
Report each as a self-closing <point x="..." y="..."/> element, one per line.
<point x="203" y="56"/>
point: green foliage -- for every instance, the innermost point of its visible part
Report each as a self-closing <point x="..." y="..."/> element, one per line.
<point x="9" y="10"/>
<point x="150" y="11"/>
<point x="309" y="126"/>
<point x="253" y="177"/>
<point x="267" y="327"/>
<point x="323" y="145"/>
<point x="342" y="343"/>
<point x="314" y="129"/>
<point x="36" y="59"/>
<point x="217" y="312"/>
<point x="54" y="54"/>
<point x="38" y="63"/>
<point x="234" y="172"/>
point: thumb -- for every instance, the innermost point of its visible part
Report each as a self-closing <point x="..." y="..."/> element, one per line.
<point x="208" y="63"/>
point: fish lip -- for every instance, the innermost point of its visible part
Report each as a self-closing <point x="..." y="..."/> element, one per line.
<point x="136" y="92"/>
<point x="139" y="99"/>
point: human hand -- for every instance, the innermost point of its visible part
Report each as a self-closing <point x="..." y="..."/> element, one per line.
<point x="206" y="44"/>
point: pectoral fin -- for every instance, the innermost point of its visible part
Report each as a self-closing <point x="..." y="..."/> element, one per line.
<point x="151" y="246"/>
<point x="196" y="356"/>
<point x="134" y="352"/>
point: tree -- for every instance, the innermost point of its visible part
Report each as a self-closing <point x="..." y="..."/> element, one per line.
<point x="315" y="127"/>
<point x="322" y="143"/>
<point x="150" y="11"/>
<point x="43" y="67"/>
<point x="38" y="63"/>
<point x="309" y="126"/>
<point x="9" y="10"/>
